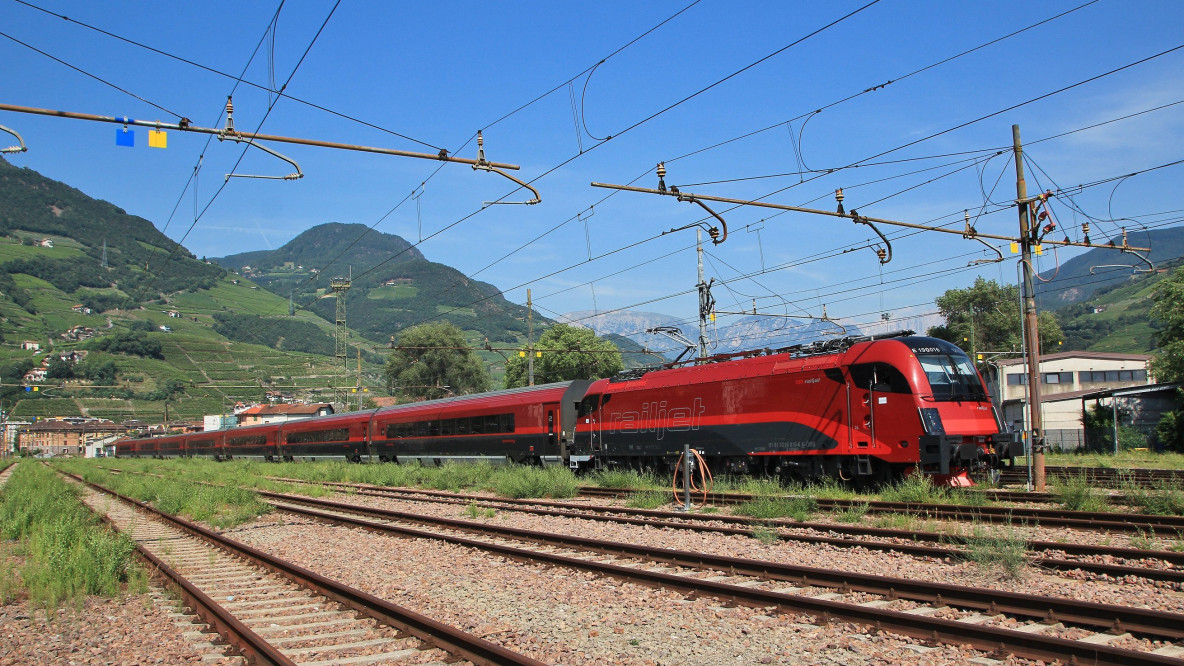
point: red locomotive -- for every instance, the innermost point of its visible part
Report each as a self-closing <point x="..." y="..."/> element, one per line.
<point x="860" y="409"/>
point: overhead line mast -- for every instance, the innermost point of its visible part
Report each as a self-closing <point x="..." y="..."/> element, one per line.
<point x="1030" y="235"/>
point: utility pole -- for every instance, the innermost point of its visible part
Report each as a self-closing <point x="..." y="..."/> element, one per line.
<point x="704" y="297"/>
<point x="529" y="341"/>
<point x="359" y="387"/>
<point x="340" y="286"/>
<point x="1030" y="321"/>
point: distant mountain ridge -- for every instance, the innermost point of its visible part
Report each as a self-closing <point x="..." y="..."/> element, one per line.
<point x="329" y="243"/>
<point x="750" y="332"/>
<point x="1073" y="282"/>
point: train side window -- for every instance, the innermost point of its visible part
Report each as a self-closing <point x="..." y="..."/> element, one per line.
<point x="434" y="429"/>
<point x="463" y="426"/>
<point x="880" y="376"/>
<point x="507" y="422"/>
<point x="587" y="406"/>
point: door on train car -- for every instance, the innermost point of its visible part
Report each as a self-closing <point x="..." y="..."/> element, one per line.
<point x="551" y="448"/>
<point x="588" y="421"/>
<point x="876" y="407"/>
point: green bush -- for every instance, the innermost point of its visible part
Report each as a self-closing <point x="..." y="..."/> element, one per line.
<point x="623" y="478"/>
<point x="767" y="508"/>
<point x="916" y="489"/>
<point x="1004" y="549"/>
<point x="523" y="482"/>
<point x="1076" y="493"/>
<point x="648" y="499"/>
<point x="1162" y="498"/>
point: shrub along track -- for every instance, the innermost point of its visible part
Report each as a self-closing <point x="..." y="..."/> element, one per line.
<point x="275" y="612"/>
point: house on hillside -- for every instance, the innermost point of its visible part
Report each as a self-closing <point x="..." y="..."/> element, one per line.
<point x="282" y="412"/>
<point x="30" y="345"/>
<point x="79" y="333"/>
<point x="34" y="376"/>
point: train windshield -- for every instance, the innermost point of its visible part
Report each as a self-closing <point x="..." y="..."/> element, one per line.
<point x="952" y="378"/>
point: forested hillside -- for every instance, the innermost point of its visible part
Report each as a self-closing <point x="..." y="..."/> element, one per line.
<point x="393" y="285"/>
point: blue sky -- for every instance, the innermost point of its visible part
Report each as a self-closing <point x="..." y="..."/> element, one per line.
<point x="438" y="72"/>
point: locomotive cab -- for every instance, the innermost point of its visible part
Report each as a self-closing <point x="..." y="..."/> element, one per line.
<point x="960" y="425"/>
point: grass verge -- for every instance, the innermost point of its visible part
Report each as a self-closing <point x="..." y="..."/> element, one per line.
<point x="67" y="552"/>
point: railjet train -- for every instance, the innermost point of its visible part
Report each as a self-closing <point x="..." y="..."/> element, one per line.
<point x="860" y="409"/>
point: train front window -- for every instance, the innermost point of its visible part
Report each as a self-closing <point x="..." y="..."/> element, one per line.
<point x="952" y="377"/>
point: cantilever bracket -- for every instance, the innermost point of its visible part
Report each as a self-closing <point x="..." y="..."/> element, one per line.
<point x="485" y="165"/>
<point x="242" y="139"/>
<point x="714" y="232"/>
<point x="14" y="149"/>
<point x="1134" y="267"/>
<point x="971" y="233"/>
<point x="1127" y="249"/>
<point x="884" y="256"/>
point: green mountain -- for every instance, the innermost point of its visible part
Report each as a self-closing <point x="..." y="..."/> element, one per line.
<point x="103" y="257"/>
<point x="1079" y="278"/>
<point x="392" y="285"/>
<point x="154" y="331"/>
<point x="1116" y="318"/>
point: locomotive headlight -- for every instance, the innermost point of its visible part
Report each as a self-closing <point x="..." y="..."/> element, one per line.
<point x="931" y="421"/>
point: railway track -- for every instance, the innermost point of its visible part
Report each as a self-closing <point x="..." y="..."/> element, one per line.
<point x="1128" y="523"/>
<point x="1029" y="626"/>
<point x="1116" y="562"/>
<point x="1050" y="555"/>
<point x="274" y="612"/>
<point x="1100" y="476"/>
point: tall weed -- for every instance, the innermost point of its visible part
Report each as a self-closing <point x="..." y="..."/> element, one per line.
<point x="68" y="552"/>
<point x="1076" y="493"/>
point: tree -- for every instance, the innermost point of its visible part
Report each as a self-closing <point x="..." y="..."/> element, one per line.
<point x="994" y="313"/>
<point x="59" y="368"/>
<point x="568" y="352"/>
<point x="1168" y="313"/>
<point x="101" y="373"/>
<point x="434" y="361"/>
<point x="1168" y="364"/>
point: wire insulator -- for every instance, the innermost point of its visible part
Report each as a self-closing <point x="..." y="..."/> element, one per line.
<point x="661" y="176"/>
<point x="229" y="114"/>
<point x="839" y="198"/>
